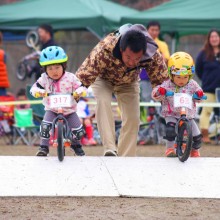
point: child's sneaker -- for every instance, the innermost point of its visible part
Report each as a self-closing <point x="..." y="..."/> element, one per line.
<point x="195" y="153"/>
<point x="84" y="141"/>
<point x="92" y="142"/>
<point x="88" y="142"/>
<point x="170" y="152"/>
<point x="77" y="148"/>
<point x="43" y="151"/>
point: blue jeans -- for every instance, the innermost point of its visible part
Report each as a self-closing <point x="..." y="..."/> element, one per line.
<point x="146" y="90"/>
<point x="3" y="92"/>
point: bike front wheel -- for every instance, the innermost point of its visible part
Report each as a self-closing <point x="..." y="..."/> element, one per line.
<point x="184" y="140"/>
<point x="60" y="147"/>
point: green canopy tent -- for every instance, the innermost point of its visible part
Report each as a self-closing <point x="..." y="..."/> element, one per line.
<point x="179" y="18"/>
<point x="97" y="16"/>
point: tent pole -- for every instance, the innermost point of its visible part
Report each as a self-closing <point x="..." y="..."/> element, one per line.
<point x="173" y="45"/>
<point x="174" y="42"/>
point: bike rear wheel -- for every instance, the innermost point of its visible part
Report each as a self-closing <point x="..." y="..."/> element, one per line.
<point x="60" y="147"/>
<point x="184" y="140"/>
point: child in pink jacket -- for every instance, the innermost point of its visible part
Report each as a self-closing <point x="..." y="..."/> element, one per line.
<point x="180" y="69"/>
<point x="55" y="80"/>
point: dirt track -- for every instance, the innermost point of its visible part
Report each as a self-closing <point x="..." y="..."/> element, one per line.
<point x="32" y="208"/>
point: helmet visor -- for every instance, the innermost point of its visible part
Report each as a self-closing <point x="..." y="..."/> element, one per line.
<point x="183" y="71"/>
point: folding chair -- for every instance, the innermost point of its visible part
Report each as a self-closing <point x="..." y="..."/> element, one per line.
<point x="24" y="129"/>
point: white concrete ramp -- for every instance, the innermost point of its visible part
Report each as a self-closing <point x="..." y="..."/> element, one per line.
<point x="166" y="177"/>
<point x="110" y="176"/>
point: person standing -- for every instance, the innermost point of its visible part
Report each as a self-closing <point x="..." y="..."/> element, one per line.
<point x="45" y="32"/>
<point x="4" y="81"/>
<point x="208" y="71"/>
<point x="153" y="28"/>
<point x="113" y="67"/>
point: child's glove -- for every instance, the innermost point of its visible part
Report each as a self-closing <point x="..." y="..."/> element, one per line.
<point x="159" y="94"/>
<point x="199" y="96"/>
<point x="200" y="93"/>
<point x="161" y="91"/>
<point x="40" y="93"/>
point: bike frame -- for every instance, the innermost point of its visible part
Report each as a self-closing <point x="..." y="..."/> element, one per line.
<point x="63" y="130"/>
<point x="66" y="131"/>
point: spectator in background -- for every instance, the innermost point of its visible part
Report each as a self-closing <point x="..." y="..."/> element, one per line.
<point x="4" y="81"/>
<point x="153" y="28"/>
<point x="86" y="119"/>
<point x="45" y="32"/>
<point x="21" y="96"/>
<point x="208" y="71"/>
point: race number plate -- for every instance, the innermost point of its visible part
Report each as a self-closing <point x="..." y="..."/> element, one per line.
<point x="182" y="100"/>
<point x="57" y="101"/>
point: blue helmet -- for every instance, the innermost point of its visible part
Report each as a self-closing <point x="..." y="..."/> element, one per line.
<point x="52" y="55"/>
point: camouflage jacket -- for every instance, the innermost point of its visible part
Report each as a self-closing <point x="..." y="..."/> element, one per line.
<point x="105" y="62"/>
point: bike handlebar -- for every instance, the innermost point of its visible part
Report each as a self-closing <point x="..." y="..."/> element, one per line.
<point x="74" y="94"/>
<point x="169" y="93"/>
<point x="195" y="96"/>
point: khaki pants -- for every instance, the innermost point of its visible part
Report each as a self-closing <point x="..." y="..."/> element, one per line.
<point x="128" y="102"/>
<point x="206" y="112"/>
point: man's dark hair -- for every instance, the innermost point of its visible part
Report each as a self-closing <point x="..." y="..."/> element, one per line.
<point x="135" y="40"/>
<point x="47" y="28"/>
<point x="153" y="23"/>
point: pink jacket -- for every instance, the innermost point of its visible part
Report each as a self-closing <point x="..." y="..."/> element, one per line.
<point x="167" y="102"/>
<point x="68" y="83"/>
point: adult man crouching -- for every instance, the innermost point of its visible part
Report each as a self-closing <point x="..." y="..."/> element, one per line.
<point x="113" y="66"/>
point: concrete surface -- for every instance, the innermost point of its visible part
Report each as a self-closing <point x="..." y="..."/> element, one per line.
<point x="110" y="176"/>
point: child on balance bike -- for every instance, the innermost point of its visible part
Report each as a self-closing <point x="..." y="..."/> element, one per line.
<point x="56" y="80"/>
<point x="181" y="70"/>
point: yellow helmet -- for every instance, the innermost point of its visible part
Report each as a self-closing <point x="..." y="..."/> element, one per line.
<point x="181" y="63"/>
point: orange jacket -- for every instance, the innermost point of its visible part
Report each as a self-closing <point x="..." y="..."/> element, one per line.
<point x="4" y="82"/>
